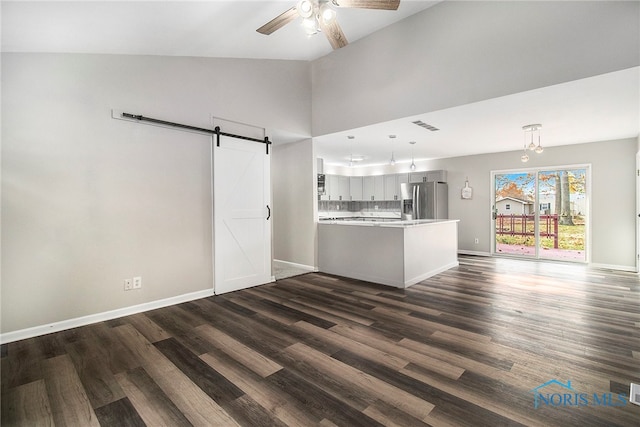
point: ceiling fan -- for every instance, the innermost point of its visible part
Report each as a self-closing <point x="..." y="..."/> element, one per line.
<point x="319" y="15"/>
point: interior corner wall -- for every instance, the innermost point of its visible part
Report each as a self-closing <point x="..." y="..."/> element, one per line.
<point x="459" y="52"/>
<point x="613" y="195"/>
<point x="88" y="201"/>
<point x="293" y="203"/>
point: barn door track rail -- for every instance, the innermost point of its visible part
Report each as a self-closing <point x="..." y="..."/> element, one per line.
<point x="215" y="131"/>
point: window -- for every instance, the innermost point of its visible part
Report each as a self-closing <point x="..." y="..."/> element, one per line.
<point x="507" y="206"/>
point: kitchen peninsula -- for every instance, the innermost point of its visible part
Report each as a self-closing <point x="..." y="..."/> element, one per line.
<point x="399" y="253"/>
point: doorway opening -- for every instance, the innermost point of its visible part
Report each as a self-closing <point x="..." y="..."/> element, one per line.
<point x="542" y="213"/>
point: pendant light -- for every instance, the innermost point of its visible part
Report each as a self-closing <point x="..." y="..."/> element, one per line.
<point x="413" y="163"/>
<point x="392" y="162"/>
<point x="351" y="137"/>
<point x="531" y="129"/>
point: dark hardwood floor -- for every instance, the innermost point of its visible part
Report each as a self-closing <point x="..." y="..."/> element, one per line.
<point x="466" y="347"/>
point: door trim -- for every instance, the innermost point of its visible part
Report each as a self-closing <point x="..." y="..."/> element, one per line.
<point x="535" y="170"/>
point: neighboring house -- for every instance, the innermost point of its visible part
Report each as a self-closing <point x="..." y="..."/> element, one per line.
<point x="578" y="205"/>
<point x="514" y="206"/>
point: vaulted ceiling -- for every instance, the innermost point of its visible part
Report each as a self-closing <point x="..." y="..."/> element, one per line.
<point x="608" y="103"/>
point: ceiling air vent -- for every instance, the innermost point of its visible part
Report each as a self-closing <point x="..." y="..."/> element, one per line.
<point x="425" y="125"/>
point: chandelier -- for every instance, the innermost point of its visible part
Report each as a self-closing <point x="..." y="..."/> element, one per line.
<point x="530" y="132"/>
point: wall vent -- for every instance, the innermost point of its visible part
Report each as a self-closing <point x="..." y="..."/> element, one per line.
<point x="425" y="125"/>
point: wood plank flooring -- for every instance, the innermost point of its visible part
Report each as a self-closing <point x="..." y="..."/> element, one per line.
<point x="464" y="348"/>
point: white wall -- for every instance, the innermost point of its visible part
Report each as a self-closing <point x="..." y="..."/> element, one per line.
<point x="88" y="201"/>
<point x="460" y="52"/>
<point x="294" y="233"/>
<point x="612" y="194"/>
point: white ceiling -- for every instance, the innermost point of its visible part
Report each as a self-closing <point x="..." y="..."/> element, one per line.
<point x="605" y="107"/>
<point x="598" y="108"/>
<point x="213" y="28"/>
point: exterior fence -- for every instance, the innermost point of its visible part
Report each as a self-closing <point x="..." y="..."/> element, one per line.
<point x="525" y="225"/>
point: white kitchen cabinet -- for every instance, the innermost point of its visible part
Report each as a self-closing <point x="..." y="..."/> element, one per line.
<point x="373" y="187"/>
<point x="392" y="187"/>
<point x="338" y="187"/>
<point x="355" y="188"/>
<point x="418" y="177"/>
<point x="428" y="176"/>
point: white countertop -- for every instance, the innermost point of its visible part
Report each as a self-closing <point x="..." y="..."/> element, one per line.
<point x="392" y="224"/>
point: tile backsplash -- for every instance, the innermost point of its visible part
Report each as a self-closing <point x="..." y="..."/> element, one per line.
<point x="359" y="206"/>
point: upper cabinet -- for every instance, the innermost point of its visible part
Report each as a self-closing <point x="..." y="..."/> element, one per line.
<point x="338" y="187"/>
<point x="418" y="177"/>
<point x="392" y="185"/>
<point x="355" y="188"/>
<point x="430" y="176"/>
<point x="373" y="187"/>
<point x="378" y="187"/>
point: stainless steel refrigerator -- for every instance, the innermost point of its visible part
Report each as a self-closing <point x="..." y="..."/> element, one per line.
<point x="425" y="200"/>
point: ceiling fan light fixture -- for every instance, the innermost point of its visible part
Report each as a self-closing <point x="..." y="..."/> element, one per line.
<point x="305" y="8"/>
<point x="310" y="26"/>
<point x="327" y="14"/>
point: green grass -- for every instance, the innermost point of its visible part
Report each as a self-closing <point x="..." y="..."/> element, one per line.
<point x="571" y="237"/>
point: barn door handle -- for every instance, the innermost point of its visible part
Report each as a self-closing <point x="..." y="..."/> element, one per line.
<point x="269" y="212"/>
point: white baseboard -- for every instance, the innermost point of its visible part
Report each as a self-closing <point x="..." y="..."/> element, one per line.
<point x="629" y="268"/>
<point x="287" y="264"/>
<point x="431" y="273"/>
<point x="100" y="317"/>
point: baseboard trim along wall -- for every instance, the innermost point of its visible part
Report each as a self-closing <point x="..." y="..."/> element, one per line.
<point x="629" y="268"/>
<point x="286" y="264"/>
<point x="100" y="317"/>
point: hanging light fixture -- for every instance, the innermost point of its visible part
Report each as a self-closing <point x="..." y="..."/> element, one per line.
<point x="351" y="138"/>
<point x="413" y="163"/>
<point x="312" y="12"/>
<point x="532" y="131"/>
<point x="392" y="162"/>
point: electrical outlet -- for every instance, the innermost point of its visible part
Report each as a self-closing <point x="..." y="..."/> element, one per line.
<point x="137" y="282"/>
<point x="128" y="284"/>
<point x="476" y="241"/>
<point x="634" y="394"/>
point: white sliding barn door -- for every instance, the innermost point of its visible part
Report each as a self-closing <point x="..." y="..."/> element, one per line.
<point x="242" y="228"/>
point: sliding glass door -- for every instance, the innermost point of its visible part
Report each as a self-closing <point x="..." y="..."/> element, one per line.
<point x="542" y="213"/>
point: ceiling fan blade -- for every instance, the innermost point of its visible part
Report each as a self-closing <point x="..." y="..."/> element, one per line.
<point x="369" y="4"/>
<point x="334" y="33"/>
<point x="278" y="22"/>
